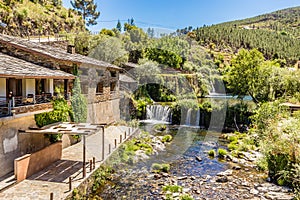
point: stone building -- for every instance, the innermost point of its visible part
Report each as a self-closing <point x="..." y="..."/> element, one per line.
<point x="29" y="74"/>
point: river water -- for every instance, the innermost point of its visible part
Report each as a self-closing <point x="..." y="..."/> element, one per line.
<point x="183" y="153"/>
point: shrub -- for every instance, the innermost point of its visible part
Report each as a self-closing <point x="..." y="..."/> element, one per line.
<point x="160" y="127"/>
<point x="167" y="138"/>
<point x="232" y="146"/>
<point x="156" y="167"/>
<point x="222" y="152"/>
<point x="186" y="197"/>
<point x="233" y="138"/>
<point x="172" y="188"/>
<point x="211" y="153"/>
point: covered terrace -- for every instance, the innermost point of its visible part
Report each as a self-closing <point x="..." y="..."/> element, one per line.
<point x="23" y="83"/>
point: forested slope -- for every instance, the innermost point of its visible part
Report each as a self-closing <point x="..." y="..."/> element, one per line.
<point x="276" y="35"/>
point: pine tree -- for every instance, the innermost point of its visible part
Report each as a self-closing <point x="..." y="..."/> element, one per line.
<point x="88" y="10"/>
<point x="119" y="26"/>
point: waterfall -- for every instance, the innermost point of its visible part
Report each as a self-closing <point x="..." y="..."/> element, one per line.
<point x="213" y="89"/>
<point x="188" y="117"/>
<point x="192" y="117"/>
<point x="158" y="113"/>
<point x="197" y="122"/>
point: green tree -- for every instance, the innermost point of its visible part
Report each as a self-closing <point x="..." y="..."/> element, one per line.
<point x="88" y="10"/>
<point x="119" y="26"/>
<point x="263" y="80"/>
<point x="79" y="103"/>
<point x="110" y="49"/>
<point x="243" y="74"/>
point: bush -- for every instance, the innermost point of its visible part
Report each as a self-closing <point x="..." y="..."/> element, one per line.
<point x="156" y="167"/>
<point x="160" y="127"/>
<point x="167" y="138"/>
<point x="211" y="153"/>
<point x="232" y="146"/>
<point x="222" y="153"/>
<point x="172" y="188"/>
<point x="186" y="197"/>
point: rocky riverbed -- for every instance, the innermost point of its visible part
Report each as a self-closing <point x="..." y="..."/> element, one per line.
<point x="195" y="175"/>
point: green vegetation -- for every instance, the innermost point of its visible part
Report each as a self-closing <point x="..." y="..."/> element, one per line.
<point x="127" y="151"/>
<point x="222" y="153"/>
<point x="172" y="188"/>
<point x="157" y="168"/>
<point x="278" y="139"/>
<point x="78" y="102"/>
<point x="160" y="127"/>
<point x="167" y="138"/>
<point x="100" y="177"/>
<point x="275" y="35"/>
<point x="32" y="18"/>
<point x="88" y="10"/>
<point x="62" y="112"/>
<point x="211" y="153"/>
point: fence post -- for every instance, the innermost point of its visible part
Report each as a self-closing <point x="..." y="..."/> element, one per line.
<point x="120" y="139"/>
<point x="103" y="144"/>
<point x="115" y="143"/>
<point x="91" y="165"/>
<point x="51" y="196"/>
<point x="70" y="183"/>
<point x="94" y="162"/>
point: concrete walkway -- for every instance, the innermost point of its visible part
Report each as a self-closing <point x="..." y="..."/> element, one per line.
<point x="55" y="178"/>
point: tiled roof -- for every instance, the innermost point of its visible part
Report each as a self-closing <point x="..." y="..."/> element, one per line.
<point x="11" y="67"/>
<point x="53" y="52"/>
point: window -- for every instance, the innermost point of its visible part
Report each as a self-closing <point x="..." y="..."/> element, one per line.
<point x="113" y="86"/>
<point x="113" y="74"/>
<point x="99" y="89"/>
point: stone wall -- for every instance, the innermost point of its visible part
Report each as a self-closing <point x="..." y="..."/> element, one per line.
<point x="14" y="144"/>
<point x="104" y="112"/>
<point x="30" y="164"/>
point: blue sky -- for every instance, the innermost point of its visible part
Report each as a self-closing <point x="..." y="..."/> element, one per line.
<point x="173" y="14"/>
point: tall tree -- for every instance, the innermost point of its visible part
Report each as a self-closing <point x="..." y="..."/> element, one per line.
<point x="119" y="26"/>
<point x="88" y="10"/>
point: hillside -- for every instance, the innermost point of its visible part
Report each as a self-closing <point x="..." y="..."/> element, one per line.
<point x="275" y="34"/>
<point x="34" y="17"/>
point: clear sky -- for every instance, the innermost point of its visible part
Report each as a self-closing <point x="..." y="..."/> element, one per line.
<point x="173" y="14"/>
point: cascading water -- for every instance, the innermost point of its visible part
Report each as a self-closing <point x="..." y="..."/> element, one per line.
<point x="192" y="117"/>
<point x="197" y="118"/>
<point x="158" y="113"/>
<point x="188" y="117"/>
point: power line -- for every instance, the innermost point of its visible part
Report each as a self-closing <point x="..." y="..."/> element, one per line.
<point x="139" y="22"/>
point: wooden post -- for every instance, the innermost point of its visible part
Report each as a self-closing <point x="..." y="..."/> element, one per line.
<point x="70" y="183"/>
<point x="103" y="143"/>
<point x="94" y="162"/>
<point x="115" y="143"/>
<point x="109" y="149"/>
<point x="120" y="139"/>
<point x="91" y="165"/>
<point x="51" y="196"/>
<point x="125" y="135"/>
<point x="84" y="164"/>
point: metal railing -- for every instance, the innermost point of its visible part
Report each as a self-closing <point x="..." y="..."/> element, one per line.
<point x="5" y="107"/>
